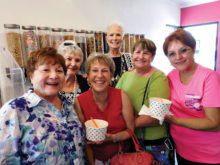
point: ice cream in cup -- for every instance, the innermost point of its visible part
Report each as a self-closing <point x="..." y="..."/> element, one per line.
<point x="159" y="107"/>
<point x="93" y="133"/>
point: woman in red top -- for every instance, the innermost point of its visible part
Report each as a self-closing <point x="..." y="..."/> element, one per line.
<point x="106" y="103"/>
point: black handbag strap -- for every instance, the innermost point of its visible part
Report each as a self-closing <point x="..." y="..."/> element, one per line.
<point x="145" y="91"/>
<point x="143" y="131"/>
<point x="169" y="143"/>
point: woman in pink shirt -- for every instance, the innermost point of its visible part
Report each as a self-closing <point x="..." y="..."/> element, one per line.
<point x="195" y="93"/>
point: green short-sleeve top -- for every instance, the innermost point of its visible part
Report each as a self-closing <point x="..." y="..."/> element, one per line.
<point x="135" y="85"/>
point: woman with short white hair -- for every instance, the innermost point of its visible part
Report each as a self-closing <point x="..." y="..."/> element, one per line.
<point x="123" y="62"/>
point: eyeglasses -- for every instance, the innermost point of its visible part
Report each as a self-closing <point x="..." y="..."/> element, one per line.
<point x="181" y="51"/>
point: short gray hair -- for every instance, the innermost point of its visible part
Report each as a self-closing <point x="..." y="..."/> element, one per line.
<point x="115" y="24"/>
<point x="100" y="58"/>
<point x="70" y="47"/>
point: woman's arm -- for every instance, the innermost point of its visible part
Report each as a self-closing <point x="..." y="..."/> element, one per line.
<point x="79" y="112"/>
<point x="158" y="87"/>
<point x="144" y="121"/>
<point x="128" y="115"/>
<point x="88" y="150"/>
<point x="211" y="121"/>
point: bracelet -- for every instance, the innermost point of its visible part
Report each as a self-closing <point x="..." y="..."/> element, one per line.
<point x="116" y="139"/>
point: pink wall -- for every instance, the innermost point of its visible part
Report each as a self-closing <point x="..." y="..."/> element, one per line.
<point x="205" y="13"/>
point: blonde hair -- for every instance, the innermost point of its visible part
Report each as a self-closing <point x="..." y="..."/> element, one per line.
<point x="102" y="58"/>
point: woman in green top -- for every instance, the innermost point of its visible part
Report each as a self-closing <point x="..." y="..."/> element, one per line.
<point x="134" y="83"/>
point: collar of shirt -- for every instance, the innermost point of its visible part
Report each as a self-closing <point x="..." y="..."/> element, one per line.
<point x="33" y="99"/>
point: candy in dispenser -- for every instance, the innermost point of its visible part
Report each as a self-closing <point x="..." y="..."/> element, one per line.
<point x="80" y="38"/>
<point x="105" y="44"/>
<point x="131" y="42"/>
<point x="126" y="43"/>
<point x="14" y="44"/>
<point x="30" y="39"/>
<point x="69" y="34"/>
<point x="44" y="37"/>
<point x="99" y="42"/>
<point x="57" y="37"/>
<point x="137" y="37"/>
<point x="90" y="41"/>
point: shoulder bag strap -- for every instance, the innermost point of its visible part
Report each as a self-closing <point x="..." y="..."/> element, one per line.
<point x="145" y="91"/>
<point x="143" y="129"/>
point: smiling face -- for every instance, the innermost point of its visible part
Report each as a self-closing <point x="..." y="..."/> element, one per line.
<point x="142" y="58"/>
<point x="73" y="63"/>
<point x="114" y="37"/>
<point x="48" y="79"/>
<point x="99" y="76"/>
<point x="180" y="56"/>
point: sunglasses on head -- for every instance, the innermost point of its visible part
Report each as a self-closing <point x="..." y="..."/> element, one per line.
<point x="68" y="44"/>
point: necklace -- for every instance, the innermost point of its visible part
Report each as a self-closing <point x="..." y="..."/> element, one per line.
<point x="74" y="89"/>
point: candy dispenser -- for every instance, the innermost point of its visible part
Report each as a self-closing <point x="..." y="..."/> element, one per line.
<point x="90" y="41"/>
<point x="44" y="37"/>
<point x="126" y="43"/>
<point x="69" y="34"/>
<point x="131" y="42"/>
<point x="141" y="36"/>
<point x="57" y="37"/>
<point x="122" y="49"/>
<point x="137" y="37"/>
<point x="80" y="38"/>
<point x="99" y="42"/>
<point x="12" y="77"/>
<point x="13" y="40"/>
<point x="30" y="40"/>
<point x="105" y="44"/>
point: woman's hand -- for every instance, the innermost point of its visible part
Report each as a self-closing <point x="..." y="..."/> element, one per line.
<point x="170" y="119"/>
<point x="108" y="137"/>
<point x="210" y="122"/>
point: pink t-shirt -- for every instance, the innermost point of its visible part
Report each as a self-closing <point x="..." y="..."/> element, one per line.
<point x="188" y="102"/>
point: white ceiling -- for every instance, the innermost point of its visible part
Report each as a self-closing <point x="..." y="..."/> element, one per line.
<point x="187" y="3"/>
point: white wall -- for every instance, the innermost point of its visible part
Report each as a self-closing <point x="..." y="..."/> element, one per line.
<point x="137" y="16"/>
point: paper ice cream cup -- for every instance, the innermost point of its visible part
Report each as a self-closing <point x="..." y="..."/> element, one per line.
<point x="93" y="133"/>
<point x="159" y="106"/>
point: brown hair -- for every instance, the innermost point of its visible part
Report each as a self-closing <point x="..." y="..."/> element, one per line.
<point x="146" y="44"/>
<point x="102" y="58"/>
<point x="180" y="35"/>
<point x="43" y="55"/>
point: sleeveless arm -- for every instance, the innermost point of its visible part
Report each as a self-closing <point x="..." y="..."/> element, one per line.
<point x="128" y="115"/>
<point x="79" y="111"/>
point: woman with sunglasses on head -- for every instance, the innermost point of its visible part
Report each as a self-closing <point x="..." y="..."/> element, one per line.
<point x="195" y="90"/>
<point x="74" y="83"/>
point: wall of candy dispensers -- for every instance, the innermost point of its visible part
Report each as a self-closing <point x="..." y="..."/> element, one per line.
<point x="21" y="40"/>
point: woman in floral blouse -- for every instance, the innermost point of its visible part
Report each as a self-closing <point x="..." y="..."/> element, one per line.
<point x="41" y="127"/>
